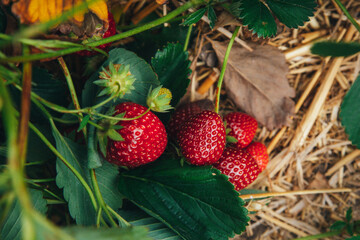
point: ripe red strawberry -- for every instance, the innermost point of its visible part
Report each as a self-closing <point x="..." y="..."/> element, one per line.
<point x="243" y="127"/>
<point x="239" y="166"/>
<point x="111" y="31"/>
<point x="185" y="112"/>
<point x="145" y="138"/>
<point x="202" y="138"/>
<point x="259" y="152"/>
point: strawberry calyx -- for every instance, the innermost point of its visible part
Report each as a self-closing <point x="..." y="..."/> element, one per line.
<point x="116" y="80"/>
<point x="158" y="100"/>
<point x="109" y="130"/>
<point x="229" y="138"/>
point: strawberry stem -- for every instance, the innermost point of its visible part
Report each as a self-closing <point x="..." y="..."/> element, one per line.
<point x="71" y="89"/>
<point x="187" y="40"/>
<point x="157" y="22"/>
<point x="222" y="73"/>
<point x="100" y="198"/>
<point x="122" y="119"/>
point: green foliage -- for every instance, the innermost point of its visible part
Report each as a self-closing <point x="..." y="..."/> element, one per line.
<point x="145" y="79"/>
<point x="173" y="69"/>
<point x="157" y="230"/>
<point x="92" y="233"/>
<point x="335" y="49"/>
<point x="194" y="17"/>
<point x="148" y="42"/>
<point x="144" y="75"/>
<point x="293" y="13"/>
<point x="11" y="76"/>
<point x="83" y="122"/>
<point x="350" y="113"/>
<point x="338" y="225"/>
<point x="49" y="88"/>
<point x="211" y="16"/>
<point x="348" y="215"/>
<point x="11" y="228"/>
<point x="79" y="203"/>
<point x="353" y="238"/>
<point x="257" y="14"/>
<point x="257" y="17"/>
<point x="195" y="202"/>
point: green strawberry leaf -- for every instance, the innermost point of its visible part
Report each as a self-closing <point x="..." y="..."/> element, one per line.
<point x="293" y="13"/>
<point x="357" y="227"/>
<point x="83" y="123"/>
<point x="46" y="86"/>
<point x="157" y="230"/>
<point x="335" y="49"/>
<point x="92" y="233"/>
<point x="350" y="113"/>
<point x="194" y="17"/>
<point x="211" y="16"/>
<point x="350" y="228"/>
<point x="11" y="227"/>
<point x="195" y="202"/>
<point x="257" y="17"/>
<point x="353" y="238"/>
<point x="173" y="69"/>
<point x="349" y="214"/>
<point x="337" y="226"/>
<point x="79" y="202"/>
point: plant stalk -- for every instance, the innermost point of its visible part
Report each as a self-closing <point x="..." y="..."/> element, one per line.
<point x="320" y="236"/>
<point x="100" y="198"/>
<point x="72" y="169"/>
<point x="347" y="14"/>
<point x="155" y="23"/>
<point x="223" y="69"/>
<point x="187" y="40"/>
<point x="72" y="90"/>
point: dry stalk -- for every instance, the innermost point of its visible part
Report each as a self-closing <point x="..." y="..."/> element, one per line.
<point x="292" y="193"/>
<point x="319" y="99"/>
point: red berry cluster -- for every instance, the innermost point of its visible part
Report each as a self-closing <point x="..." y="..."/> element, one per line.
<point x="201" y="136"/>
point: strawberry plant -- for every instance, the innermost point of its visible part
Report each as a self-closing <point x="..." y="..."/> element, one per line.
<point x="87" y="156"/>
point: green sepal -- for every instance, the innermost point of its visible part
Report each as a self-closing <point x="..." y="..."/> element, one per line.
<point x="83" y="123"/>
<point x="102" y="144"/>
<point x="158" y="103"/>
<point x="231" y="139"/>
<point x="117" y="127"/>
<point x="114" y="135"/>
<point x="117" y="81"/>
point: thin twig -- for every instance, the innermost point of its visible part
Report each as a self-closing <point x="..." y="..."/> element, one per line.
<point x="292" y="193"/>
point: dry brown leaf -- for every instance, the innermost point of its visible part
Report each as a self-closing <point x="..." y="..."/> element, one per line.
<point x="226" y="19"/>
<point x="256" y="81"/>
